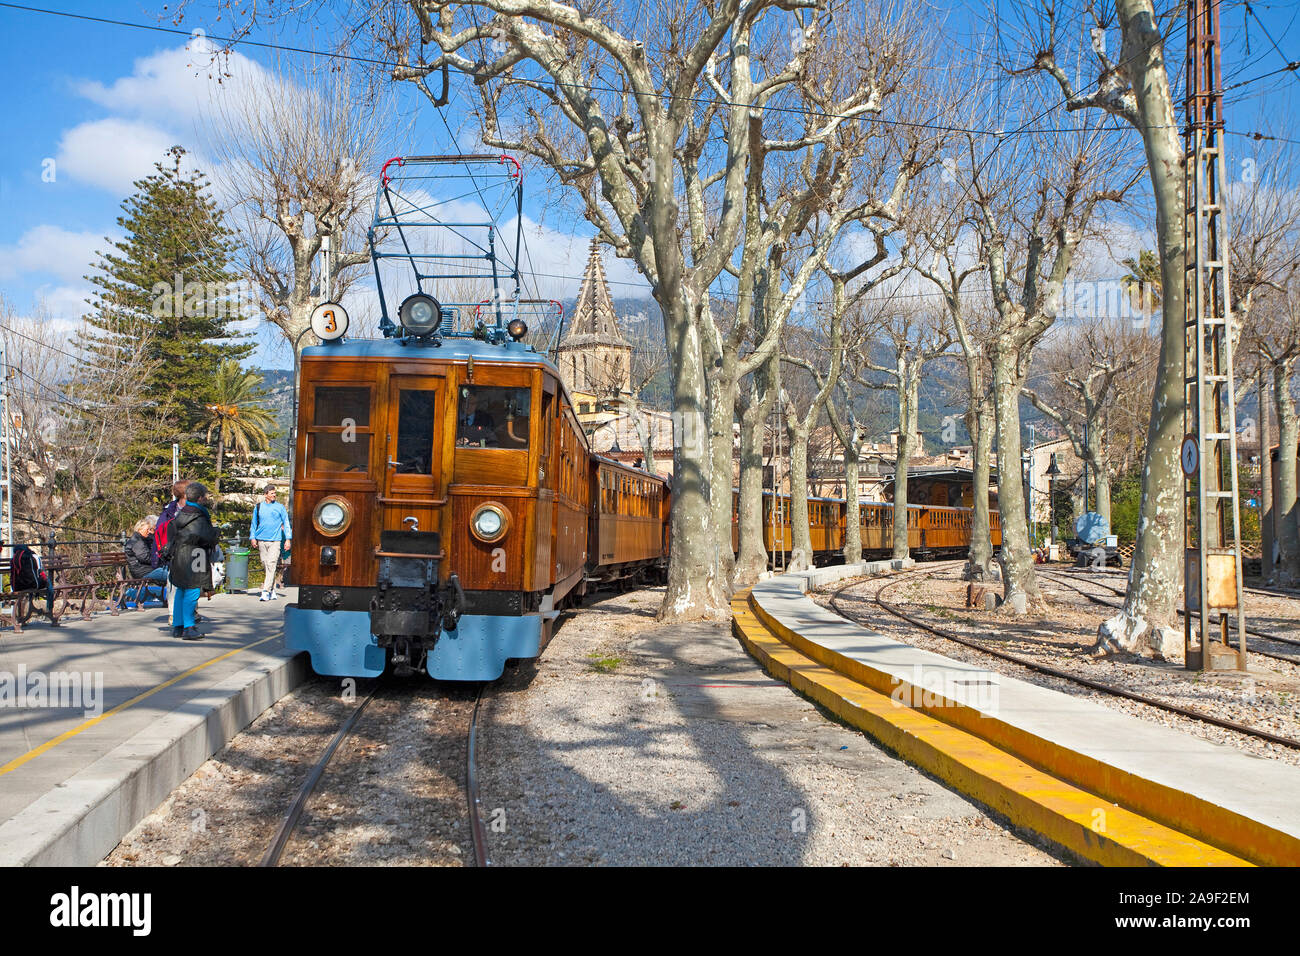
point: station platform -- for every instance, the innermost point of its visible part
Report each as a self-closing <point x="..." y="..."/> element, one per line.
<point x="101" y="719"/>
<point x="1113" y="788"/>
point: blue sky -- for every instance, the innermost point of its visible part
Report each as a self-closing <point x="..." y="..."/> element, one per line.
<point x="102" y="102"/>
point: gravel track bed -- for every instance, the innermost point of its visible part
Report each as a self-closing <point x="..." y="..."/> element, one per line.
<point x="635" y="743"/>
<point x="1063" y="636"/>
<point x="392" y="794"/>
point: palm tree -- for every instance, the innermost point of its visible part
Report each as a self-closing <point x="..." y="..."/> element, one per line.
<point x="1143" y="281"/>
<point x="235" y="415"/>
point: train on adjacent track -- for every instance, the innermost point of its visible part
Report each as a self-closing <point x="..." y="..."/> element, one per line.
<point x="447" y="501"/>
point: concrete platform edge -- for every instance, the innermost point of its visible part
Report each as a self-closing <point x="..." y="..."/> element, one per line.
<point x="1269" y="846"/>
<point x="80" y="821"/>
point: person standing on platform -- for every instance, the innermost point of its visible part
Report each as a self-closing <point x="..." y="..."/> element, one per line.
<point x="164" y="519"/>
<point x="189" y="550"/>
<point x="270" y="532"/>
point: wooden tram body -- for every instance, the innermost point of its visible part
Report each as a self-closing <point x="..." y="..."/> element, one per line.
<point x="933" y="530"/>
<point x="414" y="440"/>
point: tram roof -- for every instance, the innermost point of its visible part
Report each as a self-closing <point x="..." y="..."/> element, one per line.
<point x="452" y="348"/>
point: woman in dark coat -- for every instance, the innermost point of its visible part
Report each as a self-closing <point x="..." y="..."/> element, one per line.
<point x="190" y="539"/>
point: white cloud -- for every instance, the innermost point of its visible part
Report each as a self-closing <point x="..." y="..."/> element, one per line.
<point x="175" y="86"/>
<point x="112" y="153"/>
<point x="51" y="250"/>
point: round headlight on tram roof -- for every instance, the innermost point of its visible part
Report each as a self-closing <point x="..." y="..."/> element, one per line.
<point x="489" y="522"/>
<point x="517" y="328"/>
<point x="332" y="516"/>
<point x="420" y="314"/>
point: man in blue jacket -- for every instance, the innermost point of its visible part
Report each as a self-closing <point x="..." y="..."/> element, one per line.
<point x="270" y="528"/>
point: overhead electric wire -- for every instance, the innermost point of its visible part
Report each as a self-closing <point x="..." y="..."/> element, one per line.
<point x="80" y="360"/>
<point x="1291" y="65"/>
<point x="231" y="41"/>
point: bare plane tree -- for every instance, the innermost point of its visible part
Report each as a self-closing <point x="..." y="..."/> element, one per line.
<point x="1136" y="88"/>
<point x="950" y="272"/>
<point x="1082" y="371"/>
<point x="69" y="440"/>
<point x="1030" y="227"/>
<point x="301" y="161"/>
<point x="912" y="338"/>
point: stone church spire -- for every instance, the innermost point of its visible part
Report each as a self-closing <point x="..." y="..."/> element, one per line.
<point x="594" y="356"/>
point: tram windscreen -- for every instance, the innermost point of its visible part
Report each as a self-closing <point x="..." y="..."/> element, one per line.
<point x="489" y="416"/>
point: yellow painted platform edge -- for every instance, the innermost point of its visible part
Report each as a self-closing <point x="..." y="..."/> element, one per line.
<point x="1069" y="816"/>
<point x="1181" y="811"/>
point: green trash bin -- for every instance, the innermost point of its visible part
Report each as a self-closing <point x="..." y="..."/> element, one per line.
<point x="237" y="569"/>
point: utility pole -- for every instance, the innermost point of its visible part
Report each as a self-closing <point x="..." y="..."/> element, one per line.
<point x="1212" y="572"/>
<point x="326" y="250"/>
<point x="6" y="460"/>
<point x="1266" y="528"/>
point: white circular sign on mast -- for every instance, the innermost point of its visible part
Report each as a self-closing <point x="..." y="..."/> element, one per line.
<point x="1190" y="456"/>
<point x="329" y="321"/>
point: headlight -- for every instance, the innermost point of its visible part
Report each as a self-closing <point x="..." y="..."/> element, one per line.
<point x="332" y="516"/>
<point x="420" y="314"/>
<point x="490" y="522"/>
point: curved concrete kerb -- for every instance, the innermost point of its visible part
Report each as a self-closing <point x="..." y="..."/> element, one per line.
<point x="1208" y="792"/>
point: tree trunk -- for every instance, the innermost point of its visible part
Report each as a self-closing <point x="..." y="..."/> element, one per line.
<point x="1101" y="490"/>
<point x="1020" y="584"/>
<point x="908" y="398"/>
<point x="1155" y="580"/>
<point x="221" y="461"/>
<point x="1288" y="539"/>
<point x="1267" y="520"/>
<point x="752" y="560"/>
<point x="695" y="590"/>
<point x="643" y="436"/>
<point x="800" y="533"/>
<point x="852" y="509"/>
<point x="722" y="415"/>
<point x="979" y="422"/>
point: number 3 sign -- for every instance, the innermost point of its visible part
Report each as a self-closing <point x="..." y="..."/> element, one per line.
<point x="329" y="321"/>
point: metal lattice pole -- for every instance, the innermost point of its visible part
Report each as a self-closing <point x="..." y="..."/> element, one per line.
<point x="1212" y="577"/>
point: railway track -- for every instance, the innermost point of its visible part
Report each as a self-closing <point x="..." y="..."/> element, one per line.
<point x="1060" y="577"/>
<point x="1034" y="666"/>
<point x="290" y="821"/>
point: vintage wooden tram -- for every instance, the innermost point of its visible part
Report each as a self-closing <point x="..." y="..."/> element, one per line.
<point x="448" y="506"/>
<point x="933" y="531"/>
<point x="446" y="501"/>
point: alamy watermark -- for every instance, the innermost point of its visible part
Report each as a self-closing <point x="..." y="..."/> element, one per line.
<point x="943" y="687"/>
<point x="214" y="300"/>
<point x="55" y="689"/>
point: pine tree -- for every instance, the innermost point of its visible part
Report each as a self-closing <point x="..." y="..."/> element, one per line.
<point x="165" y="292"/>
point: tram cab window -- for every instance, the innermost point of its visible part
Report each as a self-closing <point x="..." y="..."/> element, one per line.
<point x="338" y="439"/>
<point x="341" y="405"/>
<point x="489" y="416"/>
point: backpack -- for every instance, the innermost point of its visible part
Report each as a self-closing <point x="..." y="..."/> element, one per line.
<point x="25" y="572"/>
<point x="160" y="534"/>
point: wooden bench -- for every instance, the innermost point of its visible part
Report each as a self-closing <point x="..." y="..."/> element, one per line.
<point x="78" y="586"/>
<point x="24" y="602"/>
<point x="122" y="582"/>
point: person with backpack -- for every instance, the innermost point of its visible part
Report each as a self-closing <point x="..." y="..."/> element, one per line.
<point x="271" y="533"/>
<point x="164" y="519"/>
<point x="188" y="551"/>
